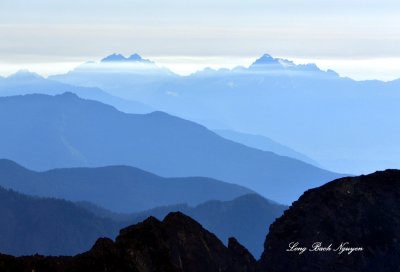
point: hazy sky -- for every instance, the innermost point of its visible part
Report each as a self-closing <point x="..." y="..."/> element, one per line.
<point x="358" y="38"/>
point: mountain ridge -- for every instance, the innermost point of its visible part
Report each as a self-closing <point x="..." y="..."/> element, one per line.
<point x="65" y="131"/>
<point x="25" y="82"/>
<point x="128" y="189"/>
<point x="31" y="225"/>
<point x="120" y="58"/>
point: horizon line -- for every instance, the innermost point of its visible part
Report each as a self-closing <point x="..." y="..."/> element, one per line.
<point x="186" y="65"/>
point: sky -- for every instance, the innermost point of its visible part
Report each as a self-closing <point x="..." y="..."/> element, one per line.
<point x="357" y="38"/>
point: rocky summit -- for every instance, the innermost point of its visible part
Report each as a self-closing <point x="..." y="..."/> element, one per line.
<point x="178" y="243"/>
<point x="350" y="224"/>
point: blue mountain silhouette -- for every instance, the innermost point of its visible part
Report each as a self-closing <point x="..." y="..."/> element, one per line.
<point x="121" y="189"/>
<point x="25" y="82"/>
<point x="44" y="132"/>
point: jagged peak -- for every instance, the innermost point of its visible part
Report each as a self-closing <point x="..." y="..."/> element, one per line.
<point x="135" y="57"/>
<point x="114" y="57"/>
<point x="121" y="58"/>
<point x="150" y="221"/>
<point x="178" y="218"/>
<point x="265" y="59"/>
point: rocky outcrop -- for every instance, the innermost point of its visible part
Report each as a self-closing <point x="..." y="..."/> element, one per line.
<point x="357" y="213"/>
<point x="176" y="244"/>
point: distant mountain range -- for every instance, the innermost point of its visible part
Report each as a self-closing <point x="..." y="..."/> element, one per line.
<point x="121" y="76"/>
<point x="25" y="82"/>
<point x="120" y="58"/>
<point x="315" y="112"/>
<point x="121" y="189"/>
<point x="44" y="132"/>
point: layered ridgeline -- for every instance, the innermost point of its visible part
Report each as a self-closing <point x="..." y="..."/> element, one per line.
<point x="120" y="189"/>
<point x="300" y="106"/>
<point x="25" y="82"/>
<point x="362" y="211"/>
<point x="31" y="225"/>
<point x="45" y="132"/>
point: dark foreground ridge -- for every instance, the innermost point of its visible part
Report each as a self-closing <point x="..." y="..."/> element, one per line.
<point x="176" y="244"/>
<point x="362" y="211"/>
